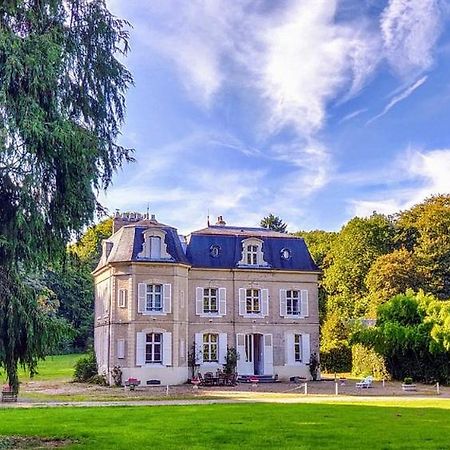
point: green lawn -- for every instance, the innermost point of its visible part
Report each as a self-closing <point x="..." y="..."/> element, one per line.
<point x="252" y="426"/>
<point x="59" y="367"/>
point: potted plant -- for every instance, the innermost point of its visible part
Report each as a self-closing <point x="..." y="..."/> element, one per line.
<point x="408" y="384"/>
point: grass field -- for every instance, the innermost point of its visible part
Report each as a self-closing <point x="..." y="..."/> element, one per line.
<point x="302" y="426"/>
<point x="59" y="367"/>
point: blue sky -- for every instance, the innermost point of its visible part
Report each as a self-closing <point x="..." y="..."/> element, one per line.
<point x="314" y="110"/>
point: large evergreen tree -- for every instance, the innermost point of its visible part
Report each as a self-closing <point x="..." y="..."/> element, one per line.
<point x="273" y="223"/>
<point x="62" y="102"/>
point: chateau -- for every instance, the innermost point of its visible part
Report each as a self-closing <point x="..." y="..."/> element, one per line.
<point x="160" y="296"/>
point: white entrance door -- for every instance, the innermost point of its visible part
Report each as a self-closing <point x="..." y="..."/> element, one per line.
<point x="245" y="364"/>
<point x="268" y="354"/>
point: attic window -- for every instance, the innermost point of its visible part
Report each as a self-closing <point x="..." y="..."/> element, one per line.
<point x="252" y="253"/>
<point x="214" y="251"/>
<point x="154" y="246"/>
<point x="285" y="254"/>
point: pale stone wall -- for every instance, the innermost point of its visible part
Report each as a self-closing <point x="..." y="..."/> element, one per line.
<point x="183" y="322"/>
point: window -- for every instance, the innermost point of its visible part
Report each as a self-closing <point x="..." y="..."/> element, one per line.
<point x="210" y="300"/>
<point x="155" y="247"/>
<point x="123" y="294"/>
<point x="210" y="347"/>
<point x="214" y="251"/>
<point x="153" y="297"/>
<point x="297" y="347"/>
<point x="252" y="301"/>
<point x="293" y="305"/>
<point x="252" y="254"/>
<point x="153" y="343"/>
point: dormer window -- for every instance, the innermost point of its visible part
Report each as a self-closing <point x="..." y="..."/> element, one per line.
<point x="252" y="253"/>
<point x="154" y="246"/>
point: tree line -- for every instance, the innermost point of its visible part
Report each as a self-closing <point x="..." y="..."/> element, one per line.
<point x="372" y="269"/>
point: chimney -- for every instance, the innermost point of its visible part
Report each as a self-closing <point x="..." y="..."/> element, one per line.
<point x="220" y="222"/>
<point x="121" y="219"/>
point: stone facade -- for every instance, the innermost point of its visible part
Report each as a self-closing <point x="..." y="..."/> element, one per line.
<point x="204" y="296"/>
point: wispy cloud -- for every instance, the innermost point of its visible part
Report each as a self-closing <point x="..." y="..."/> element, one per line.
<point x="410" y="29"/>
<point x="419" y="174"/>
<point x="398" y="98"/>
<point x="353" y="114"/>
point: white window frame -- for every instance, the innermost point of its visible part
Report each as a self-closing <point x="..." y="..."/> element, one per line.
<point x="245" y="298"/>
<point x="203" y="295"/>
<point x="122" y="298"/>
<point x="252" y="297"/>
<point x="302" y="303"/>
<point x="208" y="298"/>
<point x="152" y="344"/>
<point x="166" y="299"/>
<point x="291" y="345"/>
<point x="151" y="296"/>
<point x="291" y="298"/>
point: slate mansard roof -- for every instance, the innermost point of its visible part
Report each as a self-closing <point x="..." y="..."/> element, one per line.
<point x="127" y="242"/>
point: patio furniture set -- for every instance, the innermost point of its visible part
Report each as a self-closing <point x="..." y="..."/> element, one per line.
<point x="218" y="379"/>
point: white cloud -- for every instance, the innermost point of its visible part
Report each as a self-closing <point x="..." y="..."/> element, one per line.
<point x="410" y="29"/>
<point x="353" y="114"/>
<point x="398" y="98"/>
<point x="418" y="175"/>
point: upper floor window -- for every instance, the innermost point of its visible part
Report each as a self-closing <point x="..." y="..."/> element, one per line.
<point x="154" y="298"/>
<point x="210" y="347"/>
<point x="210" y="301"/>
<point x="252" y="301"/>
<point x="252" y="253"/>
<point x="294" y="303"/>
<point x="153" y="342"/>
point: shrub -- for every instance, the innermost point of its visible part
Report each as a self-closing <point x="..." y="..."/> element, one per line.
<point x="366" y="361"/>
<point x="231" y="360"/>
<point x="408" y="380"/>
<point x="86" y="368"/>
<point x="336" y="359"/>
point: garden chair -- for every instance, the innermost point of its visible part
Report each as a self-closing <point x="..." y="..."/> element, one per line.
<point x="209" y="379"/>
<point x="365" y="383"/>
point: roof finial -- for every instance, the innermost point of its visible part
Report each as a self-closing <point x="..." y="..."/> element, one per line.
<point x="207" y="219"/>
<point x="148" y="210"/>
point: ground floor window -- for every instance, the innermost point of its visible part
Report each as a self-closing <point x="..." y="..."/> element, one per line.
<point x="248" y="348"/>
<point x="298" y="347"/>
<point x="153" y="343"/>
<point x="210" y="347"/>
